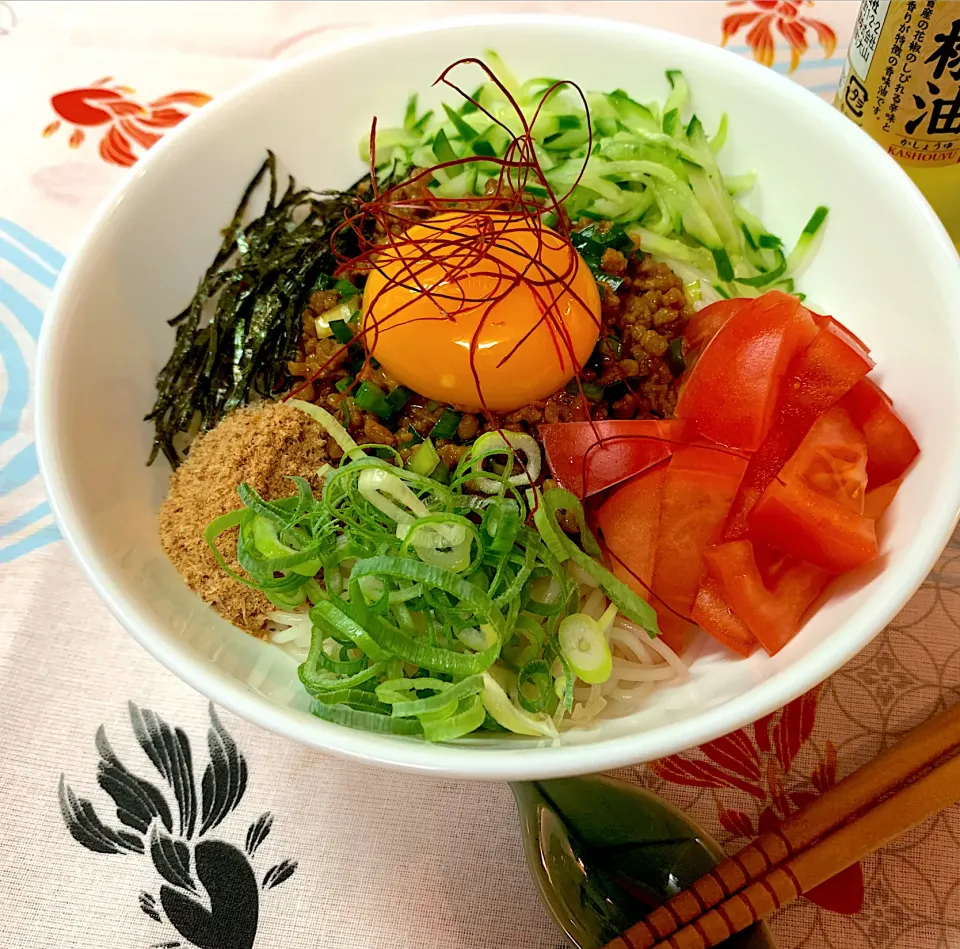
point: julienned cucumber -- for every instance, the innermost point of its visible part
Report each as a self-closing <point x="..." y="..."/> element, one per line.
<point x="646" y="167"/>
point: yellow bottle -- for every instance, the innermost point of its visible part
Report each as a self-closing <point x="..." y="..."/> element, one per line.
<point x="901" y="85"/>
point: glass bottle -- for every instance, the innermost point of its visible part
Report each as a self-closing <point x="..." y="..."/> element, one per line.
<point x="901" y="85"/>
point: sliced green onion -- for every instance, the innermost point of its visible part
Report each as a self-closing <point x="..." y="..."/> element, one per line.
<point x="367" y="721"/>
<point x="505" y="443"/>
<point x="332" y="427"/>
<point x="424" y="459"/>
<point x="629" y="603"/>
<point x="337" y="618"/>
<point x="468" y="717"/>
<point x="525" y="644"/>
<point x="534" y="676"/>
<point x="447" y="694"/>
<point x="477" y="639"/>
<point x="673" y="357"/>
<point x="343" y="384"/>
<point x="341" y="331"/>
<point x="585" y="648"/>
<point x="447" y="424"/>
<point x="371" y="398"/>
<point x="399" y="568"/>
<point x="397" y="398"/>
<point x="496" y="701"/>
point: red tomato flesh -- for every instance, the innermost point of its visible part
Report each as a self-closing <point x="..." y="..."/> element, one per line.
<point x="890" y="446"/>
<point x="589" y="457"/>
<point x="850" y="338"/>
<point x="629" y="520"/>
<point x="813" y="510"/>
<point x="769" y="592"/>
<point x="699" y="486"/>
<point x="819" y="376"/>
<point x="706" y="323"/>
<point x="675" y="631"/>
<point x="732" y="391"/>
<point x="877" y="500"/>
<point x="713" y="614"/>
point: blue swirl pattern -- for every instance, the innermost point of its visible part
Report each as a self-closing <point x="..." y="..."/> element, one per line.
<point x="39" y="264"/>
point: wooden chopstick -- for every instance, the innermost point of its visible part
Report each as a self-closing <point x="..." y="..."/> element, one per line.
<point x="890" y="770"/>
<point x="846" y="846"/>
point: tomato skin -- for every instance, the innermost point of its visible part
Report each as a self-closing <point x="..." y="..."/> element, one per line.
<point x="608" y="452"/>
<point x="848" y="336"/>
<point x="890" y="446"/>
<point x="629" y="520"/>
<point x="699" y="486"/>
<point x="769" y="593"/>
<point x="813" y="510"/>
<point x="706" y="323"/>
<point x="818" y="378"/>
<point x="714" y="615"/>
<point x="732" y="392"/>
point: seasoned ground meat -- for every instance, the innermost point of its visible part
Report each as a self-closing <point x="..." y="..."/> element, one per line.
<point x="627" y="377"/>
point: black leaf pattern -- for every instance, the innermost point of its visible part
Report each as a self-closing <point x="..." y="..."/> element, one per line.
<point x="138" y="801"/>
<point x="209" y="892"/>
<point x="257" y="832"/>
<point x="148" y="903"/>
<point x="227" y="918"/>
<point x="87" y="829"/>
<point x="279" y="874"/>
<point x="169" y="750"/>
<point x="171" y="857"/>
<point x="225" y="778"/>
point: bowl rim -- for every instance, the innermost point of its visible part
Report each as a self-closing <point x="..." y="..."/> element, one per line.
<point x="463" y="761"/>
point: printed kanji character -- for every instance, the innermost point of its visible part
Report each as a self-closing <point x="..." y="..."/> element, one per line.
<point x="947" y="53"/>
<point x="946" y="116"/>
<point x="945" y="119"/>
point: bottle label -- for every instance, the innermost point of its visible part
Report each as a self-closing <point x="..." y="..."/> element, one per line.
<point x="901" y="82"/>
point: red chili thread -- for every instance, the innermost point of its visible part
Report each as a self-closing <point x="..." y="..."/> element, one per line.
<point x="460" y="246"/>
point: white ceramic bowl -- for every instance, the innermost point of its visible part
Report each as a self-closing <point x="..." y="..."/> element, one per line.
<point x="886" y="268"/>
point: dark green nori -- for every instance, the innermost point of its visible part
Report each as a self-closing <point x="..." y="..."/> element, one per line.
<point x="259" y="283"/>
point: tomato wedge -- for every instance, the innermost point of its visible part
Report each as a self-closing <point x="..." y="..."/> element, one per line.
<point x="848" y="336"/>
<point x="813" y="510"/>
<point x="713" y="614"/>
<point x="698" y="488"/>
<point x="675" y="631"/>
<point x="877" y="500"/>
<point x="706" y="323"/>
<point x="630" y="521"/>
<point x="818" y="378"/>
<point x="732" y="392"/>
<point x="890" y="446"/>
<point x="769" y="592"/>
<point x="589" y="457"/>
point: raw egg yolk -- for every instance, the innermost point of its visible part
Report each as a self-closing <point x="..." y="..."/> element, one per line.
<point x="481" y="310"/>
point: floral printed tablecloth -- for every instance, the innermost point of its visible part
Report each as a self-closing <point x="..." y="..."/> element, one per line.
<point x="290" y="848"/>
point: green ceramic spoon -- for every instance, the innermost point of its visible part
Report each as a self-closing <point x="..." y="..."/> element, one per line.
<point x="603" y="853"/>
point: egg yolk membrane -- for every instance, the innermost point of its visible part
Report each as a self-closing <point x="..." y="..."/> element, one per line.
<point x="482" y="310"/>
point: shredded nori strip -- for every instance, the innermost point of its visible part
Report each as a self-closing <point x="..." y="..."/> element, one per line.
<point x="258" y="286"/>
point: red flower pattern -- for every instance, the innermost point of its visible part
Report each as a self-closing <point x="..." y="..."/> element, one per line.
<point x="760" y="765"/>
<point x="784" y="16"/>
<point x="130" y="124"/>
